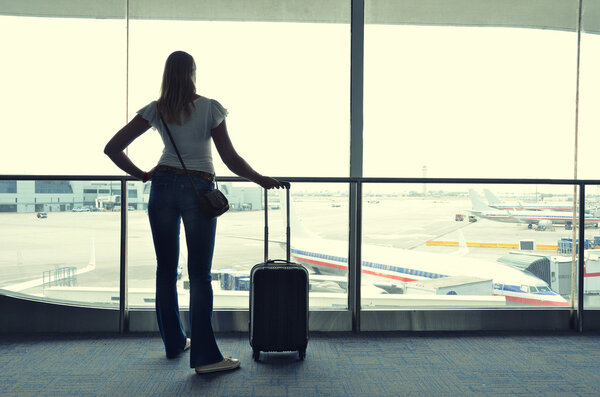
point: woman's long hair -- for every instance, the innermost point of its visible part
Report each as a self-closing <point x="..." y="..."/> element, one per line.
<point x="178" y="88"/>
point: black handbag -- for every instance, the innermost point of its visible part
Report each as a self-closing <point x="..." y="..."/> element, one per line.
<point x="213" y="203"/>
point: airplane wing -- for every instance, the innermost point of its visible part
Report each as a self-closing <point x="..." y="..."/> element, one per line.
<point x="262" y="240"/>
<point x="40" y="281"/>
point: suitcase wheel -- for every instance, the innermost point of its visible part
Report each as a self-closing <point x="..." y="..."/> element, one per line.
<point x="301" y="354"/>
<point x="256" y="355"/>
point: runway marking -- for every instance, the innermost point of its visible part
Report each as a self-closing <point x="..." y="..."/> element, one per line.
<point x="545" y="247"/>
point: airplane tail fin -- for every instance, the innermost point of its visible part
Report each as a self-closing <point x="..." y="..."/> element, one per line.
<point x="462" y="244"/>
<point x="491" y="197"/>
<point x="297" y="227"/>
<point x="477" y="202"/>
<point x="92" y="260"/>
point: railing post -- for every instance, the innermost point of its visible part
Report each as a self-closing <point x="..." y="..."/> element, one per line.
<point x="123" y="306"/>
<point x="581" y="258"/>
<point x="354" y="254"/>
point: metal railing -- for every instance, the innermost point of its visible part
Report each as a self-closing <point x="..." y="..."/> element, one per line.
<point x="355" y="225"/>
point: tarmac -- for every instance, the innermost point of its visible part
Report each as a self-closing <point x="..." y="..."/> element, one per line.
<point x="29" y="246"/>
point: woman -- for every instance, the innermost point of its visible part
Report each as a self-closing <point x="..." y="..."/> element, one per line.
<point x="193" y="121"/>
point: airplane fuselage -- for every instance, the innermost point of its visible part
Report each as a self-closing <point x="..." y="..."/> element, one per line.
<point x="404" y="266"/>
<point x="536" y="217"/>
<point x="533" y="207"/>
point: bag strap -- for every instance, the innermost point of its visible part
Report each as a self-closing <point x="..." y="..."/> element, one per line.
<point x="178" y="154"/>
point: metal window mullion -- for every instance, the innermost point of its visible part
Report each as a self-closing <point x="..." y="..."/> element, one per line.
<point x="123" y="287"/>
<point x="357" y="44"/>
<point x="356" y="157"/>
<point x="581" y="244"/>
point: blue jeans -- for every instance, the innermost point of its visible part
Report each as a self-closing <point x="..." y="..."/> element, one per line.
<point x="171" y="200"/>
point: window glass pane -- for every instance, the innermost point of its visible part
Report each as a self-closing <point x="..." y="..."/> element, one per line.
<point x="589" y="91"/>
<point x="59" y="242"/>
<point x="591" y="273"/>
<point x="63" y="85"/>
<point x="445" y="91"/>
<point x="319" y="216"/>
<point x="8" y="186"/>
<point x="285" y="84"/>
<point x="319" y="239"/>
<point x="451" y="246"/>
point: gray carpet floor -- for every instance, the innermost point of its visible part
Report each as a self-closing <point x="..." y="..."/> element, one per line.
<point x="337" y="364"/>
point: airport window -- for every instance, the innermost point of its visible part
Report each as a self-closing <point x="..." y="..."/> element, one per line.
<point x="236" y="253"/>
<point x="423" y="233"/>
<point x="257" y="65"/>
<point x="432" y="90"/>
<point x="8" y="186"/>
<point x="73" y="57"/>
<point x="80" y="264"/>
<point x="589" y="92"/>
<point x="61" y="187"/>
<point x="591" y="272"/>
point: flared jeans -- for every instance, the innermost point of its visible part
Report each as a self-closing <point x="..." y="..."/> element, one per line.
<point x="172" y="200"/>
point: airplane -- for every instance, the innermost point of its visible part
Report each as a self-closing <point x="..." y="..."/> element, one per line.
<point x="495" y="202"/>
<point x="542" y="219"/>
<point x="382" y="265"/>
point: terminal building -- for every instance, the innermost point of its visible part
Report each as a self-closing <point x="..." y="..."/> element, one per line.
<point x="54" y="196"/>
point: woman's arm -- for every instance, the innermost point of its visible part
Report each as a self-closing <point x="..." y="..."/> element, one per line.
<point x="116" y="146"/>
<point x="235" y="162"/>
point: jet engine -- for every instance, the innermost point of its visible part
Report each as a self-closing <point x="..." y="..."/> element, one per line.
<point x="544" y="225"/>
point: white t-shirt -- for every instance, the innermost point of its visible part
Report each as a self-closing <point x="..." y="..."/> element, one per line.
<point x="192" y="138"/>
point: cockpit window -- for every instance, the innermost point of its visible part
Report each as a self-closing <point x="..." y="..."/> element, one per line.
<point x="532" y="289"/>
<point x="543" y="288"/>
<point x="524" y="288"/>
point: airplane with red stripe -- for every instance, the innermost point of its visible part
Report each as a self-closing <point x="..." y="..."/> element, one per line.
<point x="386" y="265"/>
<point x="495" y="202"/>
<point x="542" y="219"/>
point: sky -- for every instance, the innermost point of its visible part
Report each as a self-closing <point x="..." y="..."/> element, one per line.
<point x="462" y="101"/>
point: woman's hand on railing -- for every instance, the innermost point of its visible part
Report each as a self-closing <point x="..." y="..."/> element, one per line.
<point x="270" y="183"/>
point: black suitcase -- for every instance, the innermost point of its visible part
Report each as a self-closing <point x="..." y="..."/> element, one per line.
<point x="278" y="301"/>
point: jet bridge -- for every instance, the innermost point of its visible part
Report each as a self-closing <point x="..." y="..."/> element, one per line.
<point x="554" y="270"/>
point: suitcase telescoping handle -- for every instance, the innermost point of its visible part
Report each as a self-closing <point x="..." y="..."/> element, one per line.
<point x="287" y="227"/>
